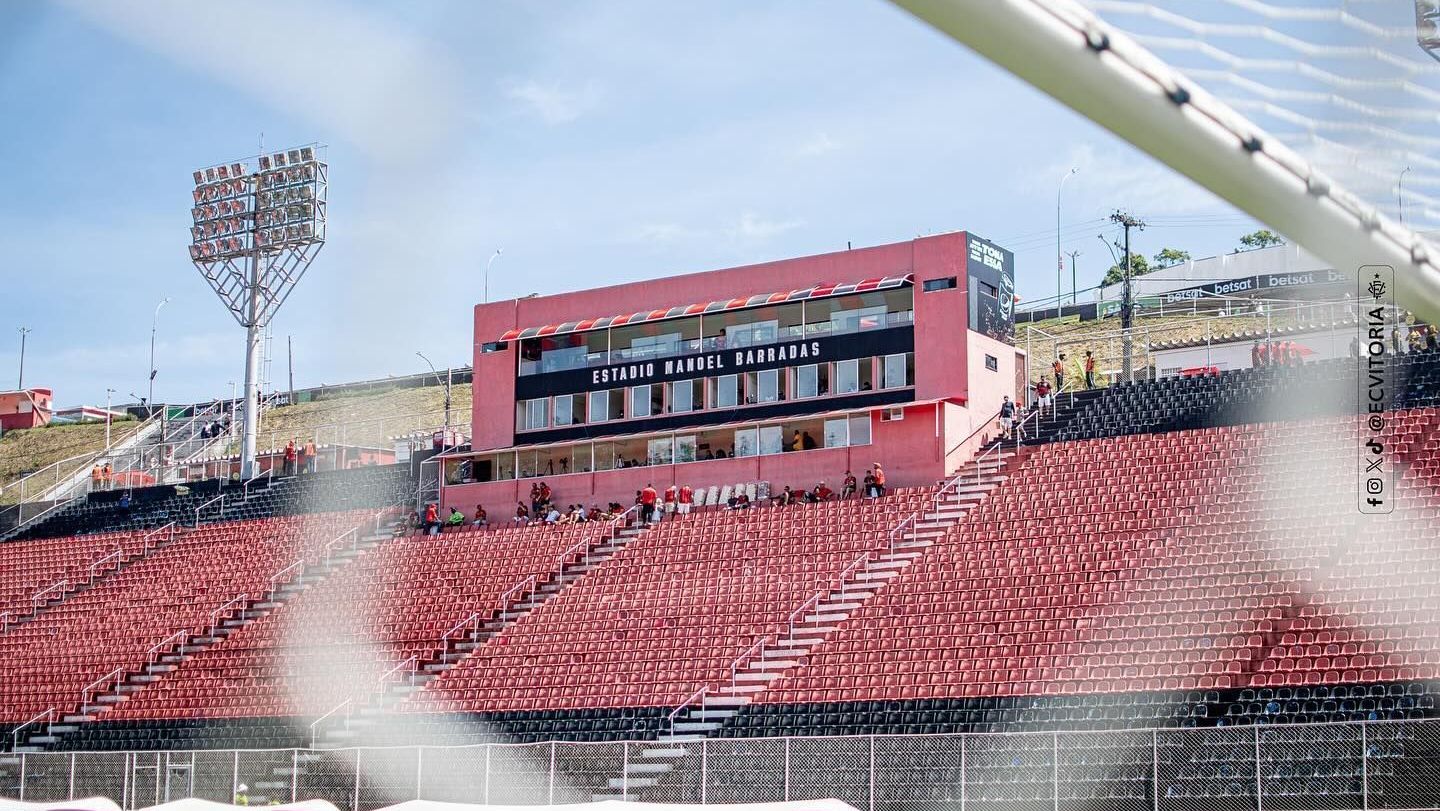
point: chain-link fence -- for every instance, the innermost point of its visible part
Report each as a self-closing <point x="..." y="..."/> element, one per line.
<point x="1297" y="767"/>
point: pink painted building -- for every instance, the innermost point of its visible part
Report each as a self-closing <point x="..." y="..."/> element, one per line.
<point x="788" y="372"/>
<point x="26" y="408"/>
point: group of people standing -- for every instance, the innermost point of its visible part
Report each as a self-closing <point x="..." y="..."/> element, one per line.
<point x="300" y="459"/>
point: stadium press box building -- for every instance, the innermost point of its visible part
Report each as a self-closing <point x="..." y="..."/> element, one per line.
<point x="789" y="372"/>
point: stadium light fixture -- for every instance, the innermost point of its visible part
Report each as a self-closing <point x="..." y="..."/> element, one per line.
<point x="254" y="232"/>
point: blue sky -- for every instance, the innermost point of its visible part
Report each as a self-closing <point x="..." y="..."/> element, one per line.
<point x="595" y="142"/>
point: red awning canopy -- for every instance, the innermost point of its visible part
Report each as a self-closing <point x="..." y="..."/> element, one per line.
<point x="818" y="291"/>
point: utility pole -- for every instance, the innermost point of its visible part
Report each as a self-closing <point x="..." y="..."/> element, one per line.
<point x="23" y="332"/>
<point x="1074" y="291"/>
<point x="290" y="357"/>
<point x="1127" y="300"/>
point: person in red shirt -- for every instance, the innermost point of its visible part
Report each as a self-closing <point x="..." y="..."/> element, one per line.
<point x="290" y="458"/>
<point x="1089" y="370"/>
<point x="432" y="518"/>
<point x="648" y="497"/>
<point x="822" y="492"/>
<point x="672" y="496"/>
<point x="1043" y="400"/>
<point x="481" y="519"/>
<point x="687" y="497"/>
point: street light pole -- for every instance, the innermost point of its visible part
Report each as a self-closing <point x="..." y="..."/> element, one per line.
<point x="1060" y="257"/>
<point x="154" y="323"/>
<point x="23" y="332"/>
<point x="488" y="263"/>
<point x="108" y="394"/>
<point x="446" y="439"/>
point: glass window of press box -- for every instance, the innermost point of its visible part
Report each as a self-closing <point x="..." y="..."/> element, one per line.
<point x="853" y="376"/>
<point x="725" y="329"/>
<point x="763" y="438"/>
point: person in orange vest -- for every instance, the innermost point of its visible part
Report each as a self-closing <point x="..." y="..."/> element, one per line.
<point x="1089" y="370"/>
<point x="95" y="478"/>
<point x="879" y="480"/>
<point x="310" y="456"/>
<point x="106" y="474"/>
<point x="1058" y="367"/>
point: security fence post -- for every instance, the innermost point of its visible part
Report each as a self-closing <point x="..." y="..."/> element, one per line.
<point x="70" y="793"/>
<point x="1155" y="769"/>
<point x="24" y="764"/>
<point x="704" y="770"/>
<point x="234" y="775"/>
<point x="550" y="800"/>
<point x="1055" y="768"/>
<point x="786" y="796"/>
<point x="872" y="773"/>
<point x="963" y="739"/>
<point x="419" y="770"/>
<point x="355" y="797"/>
<point x="487" y="774"/>
<point x="1259" y="789"/>
<point x="1365" y="766"/>
<point x="625" y="771"/>
<point x="294" y="774"/>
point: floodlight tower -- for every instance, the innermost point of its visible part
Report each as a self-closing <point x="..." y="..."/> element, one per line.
<point x="254" y="235"/>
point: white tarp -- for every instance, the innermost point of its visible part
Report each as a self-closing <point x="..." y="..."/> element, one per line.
<point x="102" y="804"/>
<point x="87" y="804"/>
<point x="617" y="805"/>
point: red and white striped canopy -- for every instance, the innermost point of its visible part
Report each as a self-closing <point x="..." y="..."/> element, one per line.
<point x="818" y="291"/>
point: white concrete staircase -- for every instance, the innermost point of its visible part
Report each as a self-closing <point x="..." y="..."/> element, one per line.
<point x="350" y="722"/>
<point x="167" y="655"/>
<point x="705" y="712"/>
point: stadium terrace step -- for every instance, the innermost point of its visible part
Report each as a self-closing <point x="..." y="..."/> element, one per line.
<point x="138" y="680"/>
<point x="458" y="650"/>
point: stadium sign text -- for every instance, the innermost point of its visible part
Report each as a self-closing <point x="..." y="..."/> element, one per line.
<point x="726" y="361"/>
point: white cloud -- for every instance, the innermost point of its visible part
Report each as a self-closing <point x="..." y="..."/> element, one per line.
<point x="1117" y="176"/>
<point x="754" y="228"/>
<point x="388" y="92"/>
<point x="819" y="145"/>
<point x="554" y="104"/>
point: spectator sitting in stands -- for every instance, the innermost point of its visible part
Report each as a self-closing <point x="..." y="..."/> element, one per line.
<point x="595" y="514"/>
<point x="869" y="483"/>
<point x="847" y="487"/>
<point x="821" y="493"/>
<point x="414" y="522"/>
<point x="522" y="513"/>
<point x="455" y="520"/>
<point x="553" y="516"/>
<point x="481" y="519"/>
<point x="786" y="496"/>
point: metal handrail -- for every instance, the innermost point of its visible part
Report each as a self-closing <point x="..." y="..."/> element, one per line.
<point x="278" y="575"/>
<point x="700" y="694"/>
<point x="169" y="529"/>
<point x="338" y="707"/>
<point x="90" y="460"/>
<point x="88" y="693"/>
<point x="151" y="656"/>
<point x="4" y="620"/>
<point x="505" y="598"/>
<point x="475" y="618"/>
<point x="97" y="564"/>
<point x="745" y="656"/>
<point x="220" y="498"/>
<point x="215" y="615"/>
<point x="329" y="549"/>
<point x="988" y="422"/>
<point x="60" y="584"/>
<point x="268" y="475"/>
<point x="15" y="733"/>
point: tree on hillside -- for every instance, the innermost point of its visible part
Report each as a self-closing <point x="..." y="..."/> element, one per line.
<point x="1259" y="239"/>
<point x="1169" y="257"/>
<point x="1139" y="266"/>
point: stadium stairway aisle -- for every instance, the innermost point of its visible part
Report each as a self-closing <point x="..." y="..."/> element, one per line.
<point x="101" y="647"/>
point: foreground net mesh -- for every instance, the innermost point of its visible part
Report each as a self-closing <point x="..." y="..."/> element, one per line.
<point x="1344" y="83"/>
